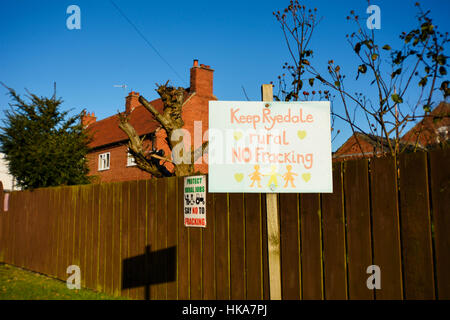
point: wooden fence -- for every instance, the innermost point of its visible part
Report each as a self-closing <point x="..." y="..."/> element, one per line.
<point x="129" y="239"/>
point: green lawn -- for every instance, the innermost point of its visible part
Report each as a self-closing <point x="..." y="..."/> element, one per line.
<point x="19" y="284"/>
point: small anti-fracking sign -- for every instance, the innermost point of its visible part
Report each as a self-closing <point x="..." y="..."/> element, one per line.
<point x="270" y="147"/>
<point x="195" y="201"/>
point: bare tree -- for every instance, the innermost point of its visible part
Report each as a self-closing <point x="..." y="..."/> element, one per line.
<point x="418" y="64"/>
<point x="298" y="24"/>
<point x="153" y="161"/>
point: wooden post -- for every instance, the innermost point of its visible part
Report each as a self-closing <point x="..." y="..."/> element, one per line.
<point x="273" y="230"/>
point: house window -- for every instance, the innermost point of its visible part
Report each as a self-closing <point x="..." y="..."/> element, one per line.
<point x="130" y="160"/>
<point x="103" y="161"/>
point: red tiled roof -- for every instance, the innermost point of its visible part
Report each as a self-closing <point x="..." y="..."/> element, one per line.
<point x="107" y="131"/>
<point x="437" y="118"/>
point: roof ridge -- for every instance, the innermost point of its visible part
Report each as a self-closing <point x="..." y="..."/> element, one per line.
<point x="115" y="115"/>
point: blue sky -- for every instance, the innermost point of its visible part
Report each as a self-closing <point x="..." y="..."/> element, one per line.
<point x="240" y="40"/>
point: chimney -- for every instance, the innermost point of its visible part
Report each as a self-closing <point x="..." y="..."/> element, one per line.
<point x="131" y="101"/>
<point x="88" y="118"/>
<point x="202" y="79"/>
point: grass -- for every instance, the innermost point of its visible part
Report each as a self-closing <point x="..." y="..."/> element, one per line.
<point x="19" y="284"/>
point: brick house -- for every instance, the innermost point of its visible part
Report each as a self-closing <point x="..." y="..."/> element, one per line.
<point x="434" y="129"/>
<point x="108" y="157"/>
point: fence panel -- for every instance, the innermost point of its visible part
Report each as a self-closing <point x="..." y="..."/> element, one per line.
<point x="161" y="221"/>
<point x="208" y="253"/>
<point x="357" y="208"/>
<point x="117" y="238"/>
<point x="290" y="249"/>
<point x="311" y="246"/>
<point x="386" y="230"/>
<point x="253" y="246"/>
<point x="334" y="248"/>
<point x="172" y="230"/>
<point x="237" y="246"/>
<point x="221" y="250"/>
<point x="440" y="195"/>
<point x="142" y="291"/>
<point x="415" y="227"/>
<point x="183" y="275"/>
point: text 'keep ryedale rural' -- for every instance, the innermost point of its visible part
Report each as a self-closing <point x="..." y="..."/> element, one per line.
<point x="268" y="119"/>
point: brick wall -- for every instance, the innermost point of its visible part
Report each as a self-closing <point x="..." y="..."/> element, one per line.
<point x="196" y="109"/>
<point x="118" y="169"/>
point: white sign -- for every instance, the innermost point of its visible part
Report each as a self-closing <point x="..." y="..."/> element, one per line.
<point x="270" y="147"/>
<point x="195" y="201"/>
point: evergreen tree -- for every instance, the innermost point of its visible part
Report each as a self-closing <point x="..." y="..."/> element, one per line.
<point x="43" y="146"/>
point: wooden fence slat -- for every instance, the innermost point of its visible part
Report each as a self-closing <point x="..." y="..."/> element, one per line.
<point x="62" y="213"/>
<point x="385" y="228"/>
<point x="89" y="234"/>
<point x="109" y="257"/>
<point x="24" y="258"/>
<point x="142" y="222"/>
<point x="21" y="257"/>
<point x="21" y="239"/>
<point x="440" y="197"/>
<point x="65" y="206"/>
<point x="221" y="247"/>
<point x="265" y="255"/>
<point x="237" y="246"/>
<point x="41" y="215"/>
<point x="161" y="220"/>
<point x="311" y="247"/>
<point x="8" y="226"/>
<point x="415" y="227"/>
<point x="125" y="236"/>
<point x="357" y="209"/>
<point x="3" y="229"/>
<point x="208" y="276"/>
<point x="95" y="268"/>
<point x="253" y="246"/>
<point x="183" y="274"/>
<point x="7" y="231"/>
<point x="111" y="249"/>
<point x="151" y="226"/>
<point x="116" y="240"/>
<point x="290" y="249"/>
<point x="334" y="250"/>
<point x="71" y="203"/>
<point x="172" y="229"/>
<point x="36" y="234"/>
<point x="3" y="215"/>
<point x="43" y="207"/>
<point x="195" y="247"/>
<point x="39" y="234"/>
<point x="133" y="231"/>
<point x="102" y="211"/>
<point x="49" y="231"/>
<point x="57" y="217"/>
<point x="82" y="240"/>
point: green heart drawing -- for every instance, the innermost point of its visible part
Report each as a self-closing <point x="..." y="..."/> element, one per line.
<point x="301" y="134"/>
<point x="238" y="177"/>
<point x="306" y="176"/>
<point x="237" y="135"/>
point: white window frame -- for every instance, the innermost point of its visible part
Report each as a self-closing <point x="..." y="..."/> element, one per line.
<point x="104" y="161"/>
<point x="130" y="160"/>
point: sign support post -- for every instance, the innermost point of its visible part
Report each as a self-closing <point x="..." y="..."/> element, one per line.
<point x="273" y="229"/>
